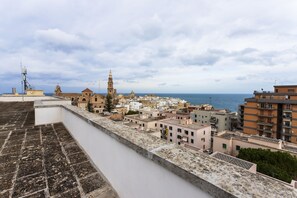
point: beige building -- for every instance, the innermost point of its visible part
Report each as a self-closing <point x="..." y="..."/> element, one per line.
<point x="231" y="142"/>
<point x="192" y="135"/>
<point x="144" y="122"/>
<point x="32" y="92"/>
<point x="97" y="101"/>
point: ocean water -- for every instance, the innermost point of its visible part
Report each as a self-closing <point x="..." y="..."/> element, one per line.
<point x="219" y="101"/>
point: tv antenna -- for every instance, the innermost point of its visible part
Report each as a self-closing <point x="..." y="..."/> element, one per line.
<point x="25" y="84"/>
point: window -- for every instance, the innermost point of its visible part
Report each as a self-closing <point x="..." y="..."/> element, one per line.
<point x="291" y="90"/>
<point x="195" y="120"/>
<point x="95" y="99"/>
<point x="155" y="124"/>
<point x="192" y="133"/>
<point x="178" y="137"/>
<point x="195" y="115"/>
<point x="224" y="146"/>
<point x="202" y="122"/>
<point x="170" y="127"/>
<point x="161" y="125"/>
<point x="178" y="130"/>
<point x="237" y="147"/>
<point x="170" y="140"/>
<point x="192" y="141"/>
<point x="203" y="147"/>
<point x="186" y="132"/>
<point x="178" y="143"/>
<point x="276" y="90"/>
<point x="203" y="132"/>
<point x="143" y="125"/>
<point x="170" y="134"/>
<point x="203" y="139"/>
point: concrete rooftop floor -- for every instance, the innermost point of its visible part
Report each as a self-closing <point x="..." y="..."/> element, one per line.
<point x="43" y="161"/>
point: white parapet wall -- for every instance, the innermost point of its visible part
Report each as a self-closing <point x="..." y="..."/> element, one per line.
<point x="140" y="165"/>
<point x="24" y="98"/>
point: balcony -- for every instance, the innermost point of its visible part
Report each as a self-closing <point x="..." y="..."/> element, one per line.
<point x="140" y="165"/>
<point x="287" y="126"/>
<point x="265" y="115"/>
<point x="287" y="109"/>
<point x="266" y="108"/>
<point x="268" y="131"/>
<point x="265" y="123"/>
<point x="287" y="133"/>
<point x="287" y="118"/>
<point x="213" y="120"/>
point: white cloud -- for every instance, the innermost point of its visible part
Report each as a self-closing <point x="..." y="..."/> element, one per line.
<point x="151" y="46"/>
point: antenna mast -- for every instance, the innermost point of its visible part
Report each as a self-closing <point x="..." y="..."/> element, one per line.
<point x="24" y="79"/>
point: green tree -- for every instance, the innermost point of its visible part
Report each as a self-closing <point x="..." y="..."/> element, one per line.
<point x="90" y="107"/>
<point x="280" y="165"/>
<point x="108" y="103"/>
<point x="131" y="112"/>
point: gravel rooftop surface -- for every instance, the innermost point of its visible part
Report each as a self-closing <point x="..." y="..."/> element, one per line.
<point x="43" y="161"/>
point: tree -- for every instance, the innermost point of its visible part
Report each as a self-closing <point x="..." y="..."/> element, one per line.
<point x="108" y="103"/>
<point x="280" y="165"/>
<point x="131" y="112"/>
<point x="90" y="107"/>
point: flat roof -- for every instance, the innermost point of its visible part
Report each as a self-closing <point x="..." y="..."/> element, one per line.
<point x="229" y="135"/>
<point x="265" y="139"/>
<point x="233" y="160"/>
<point x="43" y="161"/>
<point x="290" y="148"/>
<point x="190" y="126"/>
<point x="285" y="86"/>
<point x="137" y="117"/>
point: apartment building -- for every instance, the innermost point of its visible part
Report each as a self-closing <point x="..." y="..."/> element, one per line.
<point x="219" y="120"/>
<point x="240" y="117"/>
<point x="185" y="132"/>
<point x="272" y="114"/>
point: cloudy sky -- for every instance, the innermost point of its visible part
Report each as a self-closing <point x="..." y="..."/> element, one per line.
<point x="159" y="46"/>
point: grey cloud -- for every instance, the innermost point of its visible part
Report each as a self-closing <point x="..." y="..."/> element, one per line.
<point x="162" y="84"/>
<point x="56" y="39"/>
<point x="241" y="78"/>
<point x="206" y="59"/>
<point x="164" y="52"/>
<point x="146" y="63"/>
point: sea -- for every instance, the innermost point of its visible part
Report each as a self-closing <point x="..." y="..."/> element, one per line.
<point x="219" y="101"/>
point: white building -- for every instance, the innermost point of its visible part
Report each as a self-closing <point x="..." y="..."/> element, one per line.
<point x="219" y="120"/>
<point x="195" y="136"/>
<point x="135" y="106"/>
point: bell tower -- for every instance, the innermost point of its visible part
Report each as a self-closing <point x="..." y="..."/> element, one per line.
<point x="110" y="89"/>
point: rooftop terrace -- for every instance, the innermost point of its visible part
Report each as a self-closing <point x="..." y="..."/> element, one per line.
<point x="177" y="122"/>
<point x="135" y="164"/>
<point x="43" y="161"/>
